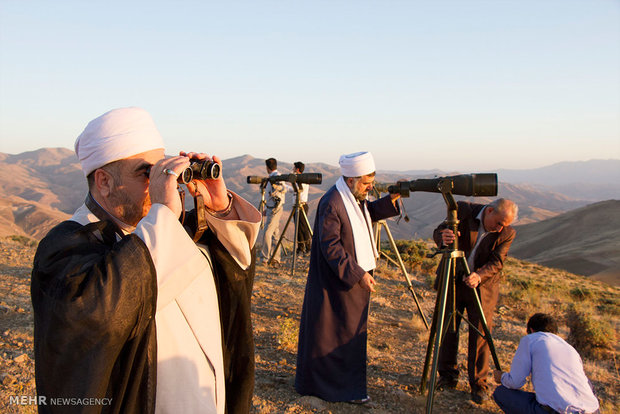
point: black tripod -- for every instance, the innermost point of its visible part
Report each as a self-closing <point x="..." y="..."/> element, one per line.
<point x="451" y="258"/>
<point x="383" y="224"/>
<point x="297" y="211"/>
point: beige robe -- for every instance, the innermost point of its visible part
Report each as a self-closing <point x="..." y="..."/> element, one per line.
<point x="190" y="371"/>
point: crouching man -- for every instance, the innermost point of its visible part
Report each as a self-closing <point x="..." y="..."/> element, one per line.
<point x="560" y="384"/>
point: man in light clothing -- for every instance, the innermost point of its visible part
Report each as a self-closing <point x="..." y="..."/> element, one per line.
<point x="275" y="202"/>
<point x="560" y="384"/>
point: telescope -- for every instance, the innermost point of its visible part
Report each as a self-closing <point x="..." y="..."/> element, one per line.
<point x="305" y="178"/>
<point x="484" y="184"/>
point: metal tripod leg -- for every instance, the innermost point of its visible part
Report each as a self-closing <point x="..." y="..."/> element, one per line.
<point x="436" y="337"/>
<point x="383" y="223"/>
<point x="483" y="320"/>
<point x="296" y="208"/>
<point x="279" y="243"/>
<point x="437" y="333"/>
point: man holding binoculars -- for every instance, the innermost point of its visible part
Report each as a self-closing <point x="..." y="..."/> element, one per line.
<point x="124" y="263"/>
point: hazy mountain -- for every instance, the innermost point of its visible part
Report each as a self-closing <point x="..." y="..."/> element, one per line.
<point x="591" y="180"/>
<point x="49" y="176"/>
<point x="425" y="210"/>
<point x="584" y="241"/>
<point x="40" y="188"/>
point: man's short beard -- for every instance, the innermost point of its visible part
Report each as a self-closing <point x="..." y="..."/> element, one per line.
<point x="128" y="211"/>
<point x="358" y="195"/>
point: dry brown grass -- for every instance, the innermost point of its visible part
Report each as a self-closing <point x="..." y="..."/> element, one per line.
<point x="397" y="337"/>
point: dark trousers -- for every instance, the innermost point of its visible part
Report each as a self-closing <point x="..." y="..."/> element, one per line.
<point x="478" y="352"/>
<point x="519" y="402"/>
<point x="304" y="238"/>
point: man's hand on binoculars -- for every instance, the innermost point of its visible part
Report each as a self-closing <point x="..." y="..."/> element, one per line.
<point x="163" y="182"/>
<point x="213" y="192"/>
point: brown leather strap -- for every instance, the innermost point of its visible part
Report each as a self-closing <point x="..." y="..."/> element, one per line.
<point x="182" y="195"/>
<point x="201" y="219"/>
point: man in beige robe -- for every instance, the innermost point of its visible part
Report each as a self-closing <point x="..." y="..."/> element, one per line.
<point x="124" y="264"/>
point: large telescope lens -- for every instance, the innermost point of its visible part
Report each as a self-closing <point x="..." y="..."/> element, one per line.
<point x="466" y="185"/>
<point x="256" y="179"/>
<point x="309" y="178"/>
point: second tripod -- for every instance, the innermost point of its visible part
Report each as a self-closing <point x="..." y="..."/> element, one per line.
<point x="299" y="213"/>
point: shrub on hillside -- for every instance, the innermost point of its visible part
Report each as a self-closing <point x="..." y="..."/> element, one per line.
<point x="413" y="253"/>
<point x="590" y="336"/>
<point x="581" y="293"/>
<point x="26" y="241"/>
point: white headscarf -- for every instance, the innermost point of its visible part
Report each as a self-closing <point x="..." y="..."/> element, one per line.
<point x="117" y="134"/>
<point x="357" y="164"/>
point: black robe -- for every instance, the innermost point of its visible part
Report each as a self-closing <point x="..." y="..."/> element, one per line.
<point x="94" y="304"/>
<point x="234" y="292"/>
<point x="94" y="301"/>
<point x="331" y="357"/>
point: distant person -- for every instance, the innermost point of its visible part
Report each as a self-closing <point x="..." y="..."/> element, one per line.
<point x="304" y="234"/>
<point x="276" y="193"/>
<point x="560" y="383"/>
<point x="331" y="357"/>
<point x="485" y="236"/>
<point x="127" y="307"/>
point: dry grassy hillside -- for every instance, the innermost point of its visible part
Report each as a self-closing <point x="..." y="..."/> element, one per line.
<point x="587" y="310"/>
<point x="585" y="241"/>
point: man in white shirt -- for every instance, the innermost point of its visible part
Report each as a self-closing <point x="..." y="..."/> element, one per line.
<point x="276" y="193"/>
<point x="560" y="383"/>
<point x="304" y="235"/>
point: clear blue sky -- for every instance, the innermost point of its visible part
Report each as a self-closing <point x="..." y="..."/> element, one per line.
<point x="455" y="85"/>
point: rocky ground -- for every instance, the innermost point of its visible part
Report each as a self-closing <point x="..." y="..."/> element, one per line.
<point x="396" y="351"/>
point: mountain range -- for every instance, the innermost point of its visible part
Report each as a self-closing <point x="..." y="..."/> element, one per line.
<point x="40" y="188"/>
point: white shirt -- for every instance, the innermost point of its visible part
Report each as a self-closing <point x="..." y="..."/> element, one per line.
<point x="482" y="233"/>
<point x="557" y="373"/>
<point x="303" y="191"/>
<point x="275" y="190"/>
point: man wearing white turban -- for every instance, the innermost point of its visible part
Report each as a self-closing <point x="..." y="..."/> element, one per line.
<point x="331" y="357"/>
<point x="124" y="264"/>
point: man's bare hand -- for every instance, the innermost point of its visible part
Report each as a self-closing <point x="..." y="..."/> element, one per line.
<point x="497" y="376"/>
<point x="447" y="236"/>
<point x="213" y="192"/>
<point x="163" y="186"/>
<point x="473" y="280"/>
<point x="368" y="282"/>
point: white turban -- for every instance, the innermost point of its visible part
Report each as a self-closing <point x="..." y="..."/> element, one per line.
<point x="115" y="135"/>
<point x="357" y="164"/>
